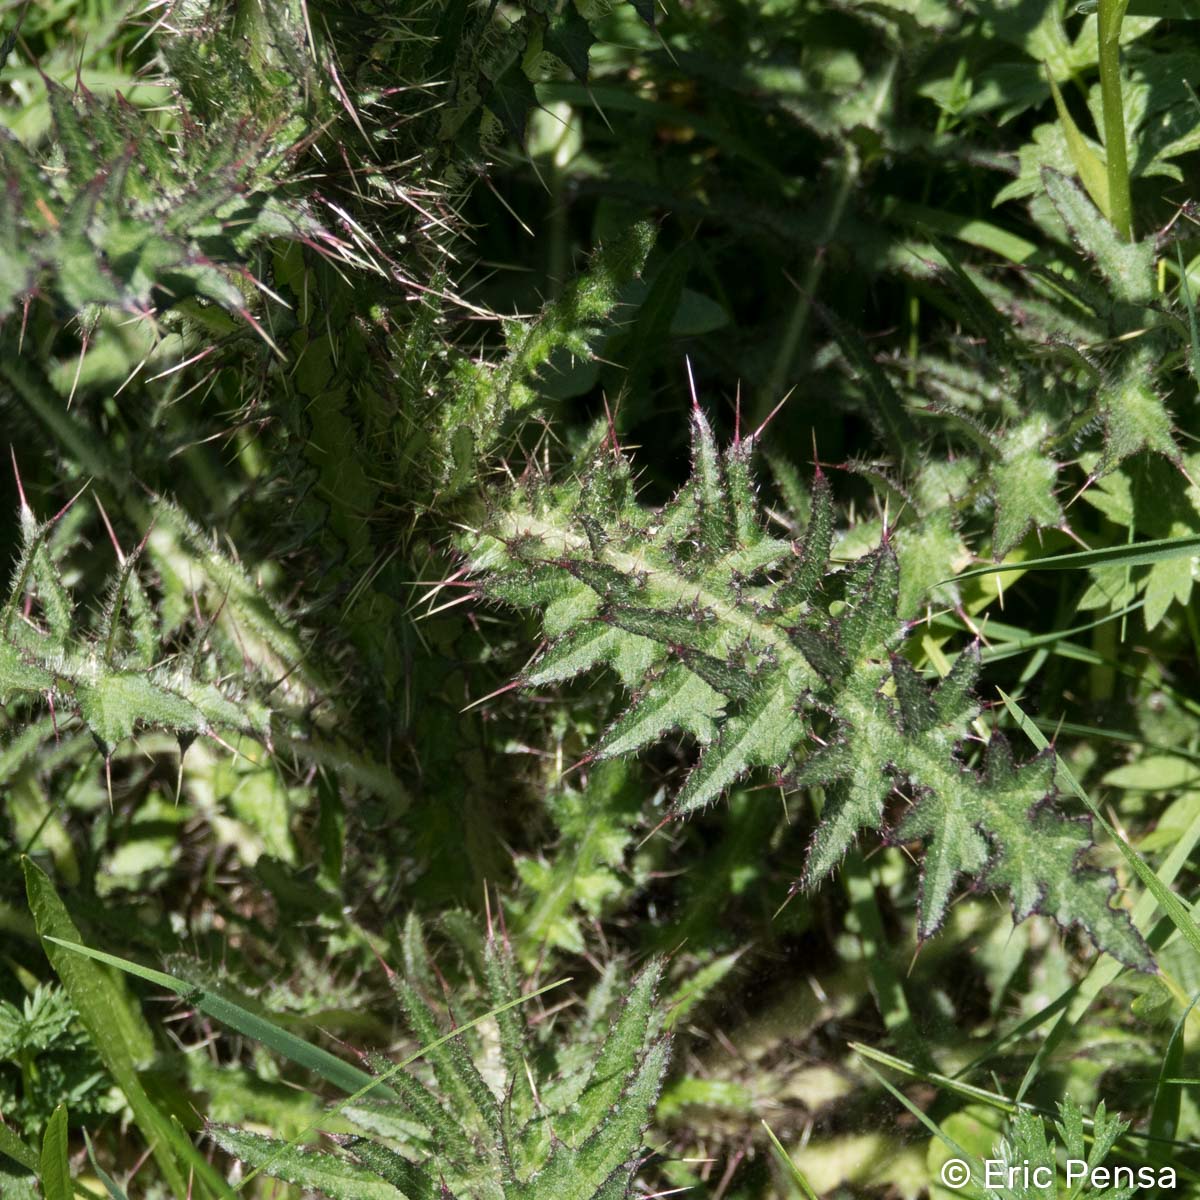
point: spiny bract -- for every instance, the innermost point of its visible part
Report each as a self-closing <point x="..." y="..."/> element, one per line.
<point x="771" y="657"/>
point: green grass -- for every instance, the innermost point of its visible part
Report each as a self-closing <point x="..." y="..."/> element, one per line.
<point x="599" y="600"/>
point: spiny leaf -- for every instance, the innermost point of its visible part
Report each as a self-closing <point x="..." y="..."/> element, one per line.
<point x="333" y="1175"/>
<point x="719" y="627"/>
<point x="616" y="1062"/>
<point x="578" y="1138"/>
<point x="138" y="217"/>
<point x="885" y="405"/>
<point x="569" y="37"/>
<point x="1023" y="485"/>
<point x="119" y="680"/>
<point x="1134" y="416"/>
<point x="1128" y="267"/>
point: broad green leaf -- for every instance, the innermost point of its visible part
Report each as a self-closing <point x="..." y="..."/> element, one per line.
<point x="569" y="37"/>
<point x="55" y="1169"/>
<point x="1156" y="773"/>
<point x="112" y="1024"/>
<point x="1167" y="583"/>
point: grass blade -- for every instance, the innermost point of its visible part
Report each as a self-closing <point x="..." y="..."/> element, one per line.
<point x="788" y="1165"/>
<point x="1135" y="554"/>
<point x="1164" y="1113"/>
<point x="114" y="1189"/>
<point x="1170" y="903"/>
<point x="342" y="1075"/>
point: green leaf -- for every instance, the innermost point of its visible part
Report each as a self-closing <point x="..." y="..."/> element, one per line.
<point x="569" y="38"/>
<point x="1134" y="554"/>
<point x="312" y="1058"/>
<point x="510" y="98"/>
<point x="332" y="1175"/>
<point x="1156" y="773"/>
<point x="602" y="1167"/>
<point x="55" y="1173"/>
<point x="615" y="1065"/>
<point x="578" y="1137"/>
<point x="885" y="405"/>
<point x="115" y="1028"/>
<point x="1167" y="900"/>
<point x="1134" y="415"/>
<point x="113" y="1189"/>
<point x="1023" y="486"/>
<point x="697" y="591"/>
<point x="1127" y="266"/>
<point x="1092" y="171"/>
<point x="13" y="1147"/>
<point x="786" y="1159"/>
<point x="135" y="213"/>
<point x="116" y="704"/>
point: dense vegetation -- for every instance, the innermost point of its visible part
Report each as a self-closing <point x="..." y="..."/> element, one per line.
<point x="600" y="597"/>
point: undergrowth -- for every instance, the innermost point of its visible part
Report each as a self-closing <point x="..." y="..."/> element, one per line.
<point x="601" y="596"/>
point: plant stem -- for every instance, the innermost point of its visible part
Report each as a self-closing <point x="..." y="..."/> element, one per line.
<point x="1112" y="13"/>
<point x="849" y="170"/>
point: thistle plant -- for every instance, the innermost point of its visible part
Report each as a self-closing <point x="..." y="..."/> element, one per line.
<point x="316" y="305"/>
<point x="769" y="656"/>
<point x="522" y="1121"/>
<point x="115" y="675"/>
<point x="116" y="212"/>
